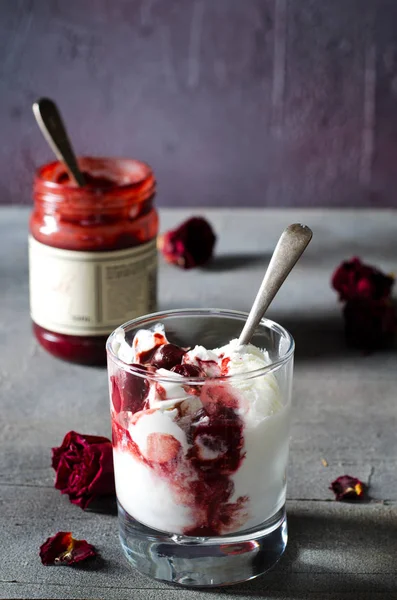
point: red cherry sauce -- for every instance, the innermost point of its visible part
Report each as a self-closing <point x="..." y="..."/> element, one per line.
<point x="188" y="371"/>
<point x="92" y="181"/>
<point x="167" y="356"/>
<point x="217" y="451"/>
<point x="215" y="436"/>
<point x="129" y="391"/>
<point x="225" y="365"/>
<point x="145" y="356"/>
<point x="204" y="365"/>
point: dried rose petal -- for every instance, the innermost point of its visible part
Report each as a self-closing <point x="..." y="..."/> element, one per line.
<point x="189" y="245"/>
<point x="347" y="488"/>
<point x="354" y="279"/>
<point x="63" y="548"/>
<point x="84" y="468"/>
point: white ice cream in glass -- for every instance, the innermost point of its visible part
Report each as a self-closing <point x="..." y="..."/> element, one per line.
<point x="200" y="440"/>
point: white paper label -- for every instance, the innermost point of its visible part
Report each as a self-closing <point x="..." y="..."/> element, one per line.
<point x="90" y="293"/>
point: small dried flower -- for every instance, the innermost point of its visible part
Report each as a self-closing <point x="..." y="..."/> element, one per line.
<point x="63" y="548"/>
<point x="353" y="279"/>
<point x="189" y="245"/>
<point x="84" y="468"/>
<point x="369" y="314"/>
<point x="347" y="488"/>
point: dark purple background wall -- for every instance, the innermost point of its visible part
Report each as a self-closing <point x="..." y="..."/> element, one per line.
<point x="233" y="102"/>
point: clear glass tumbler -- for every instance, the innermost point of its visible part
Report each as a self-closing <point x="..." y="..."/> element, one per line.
<point x="201" y="485"/>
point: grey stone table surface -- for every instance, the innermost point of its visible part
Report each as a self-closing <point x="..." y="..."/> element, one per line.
<point x="345" y="411"/>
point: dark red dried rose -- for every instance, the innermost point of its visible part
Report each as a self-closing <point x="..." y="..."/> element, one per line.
<point x="84" y="468"/>
<point x="189" y="245"/>
<point x="63" y="548"/>
<point x="370" y="316"/>
<point x="370" y="324"/>
<point x="347" y="488"/>
<point x="353" y="279"/>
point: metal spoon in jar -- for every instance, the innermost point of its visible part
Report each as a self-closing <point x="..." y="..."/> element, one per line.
<point x="52" y="127"/>
<point x="291" y="245"/>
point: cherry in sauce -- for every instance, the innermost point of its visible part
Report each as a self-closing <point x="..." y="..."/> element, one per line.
<point x="129" y="391"/>
<point x="167" y="356"/>
<point x="187" y="371"/>
<point x="217" y="440"/>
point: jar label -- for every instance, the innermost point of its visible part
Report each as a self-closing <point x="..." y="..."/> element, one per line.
<point x="90" y="293"/>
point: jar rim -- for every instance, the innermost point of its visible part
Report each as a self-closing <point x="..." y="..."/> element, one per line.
<point x="97" y="163"/>
<point x="156" y="318"/>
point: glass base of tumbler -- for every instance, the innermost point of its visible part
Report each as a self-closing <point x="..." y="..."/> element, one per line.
<point x="203" y="562"/>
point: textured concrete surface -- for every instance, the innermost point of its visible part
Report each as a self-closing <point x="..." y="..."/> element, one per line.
<point x="344" y="412"/>
<point x="245" y="103"/>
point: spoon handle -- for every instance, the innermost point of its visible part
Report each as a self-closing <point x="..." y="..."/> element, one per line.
<point x="50" y="122"/>
<point x="290" y="247"/>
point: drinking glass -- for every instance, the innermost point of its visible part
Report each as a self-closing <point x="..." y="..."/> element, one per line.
<point x="201" y="485"/>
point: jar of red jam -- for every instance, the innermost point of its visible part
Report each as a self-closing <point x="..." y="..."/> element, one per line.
<point x="92" y="254"/>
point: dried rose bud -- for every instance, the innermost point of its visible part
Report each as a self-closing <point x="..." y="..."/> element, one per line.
<point x="347" y="488"/>
<point x="63" y="548"/>
<point x="369" y="314"/>
<point x="189" y="245"/>
<point x="370" y="324"/>
<point x="84" y="468"/>
<point x="353" y="279"/>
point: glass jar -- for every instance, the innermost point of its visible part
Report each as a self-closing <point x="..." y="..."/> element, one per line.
<point x="92" y="254"/>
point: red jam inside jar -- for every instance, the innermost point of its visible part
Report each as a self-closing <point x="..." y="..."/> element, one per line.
<point x="110" y="221"/>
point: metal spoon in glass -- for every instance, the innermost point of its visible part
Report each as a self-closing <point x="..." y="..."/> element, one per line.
<point x="52" y="127"/>
<point x="291" y="245"/>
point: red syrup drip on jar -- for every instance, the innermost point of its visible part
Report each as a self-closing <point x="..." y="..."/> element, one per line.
<point x="216" y="452"/>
